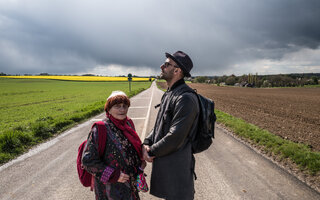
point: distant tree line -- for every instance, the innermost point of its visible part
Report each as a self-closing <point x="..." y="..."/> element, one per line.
<point x="255" y="80"/>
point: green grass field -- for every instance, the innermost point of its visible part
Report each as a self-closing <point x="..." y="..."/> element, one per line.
<point x="33" y="110"/>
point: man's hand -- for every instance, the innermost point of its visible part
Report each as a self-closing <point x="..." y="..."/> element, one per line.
<point x="145" y="150"/>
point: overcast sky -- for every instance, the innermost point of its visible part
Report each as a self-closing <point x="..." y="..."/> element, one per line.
<point x="131" y="36"/>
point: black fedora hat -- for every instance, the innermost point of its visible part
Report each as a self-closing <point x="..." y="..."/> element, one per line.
<point x="183" y="61"/>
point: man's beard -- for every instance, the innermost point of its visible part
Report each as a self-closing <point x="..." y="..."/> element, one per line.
<point x="166" y="76"/>
<point x="162" y="75"/>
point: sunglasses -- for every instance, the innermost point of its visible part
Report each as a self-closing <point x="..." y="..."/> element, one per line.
<point x="167" y="64"/>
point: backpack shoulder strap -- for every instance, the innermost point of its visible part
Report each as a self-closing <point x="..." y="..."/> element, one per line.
<point x="182" y="90"/>
<point x="102" y="134"/>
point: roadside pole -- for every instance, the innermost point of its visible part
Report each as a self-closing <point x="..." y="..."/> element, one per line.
<point x="130" y="79"/>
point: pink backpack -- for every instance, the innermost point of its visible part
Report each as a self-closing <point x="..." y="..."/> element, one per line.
<point x="84" y="176"/>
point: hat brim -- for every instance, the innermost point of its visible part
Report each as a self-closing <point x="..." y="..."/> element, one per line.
<point x="187" y="74"/>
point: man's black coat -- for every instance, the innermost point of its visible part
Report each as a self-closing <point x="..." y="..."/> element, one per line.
<point x="172" y="168"/>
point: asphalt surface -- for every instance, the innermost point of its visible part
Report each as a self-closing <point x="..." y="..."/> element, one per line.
<point x="228" y="170"/>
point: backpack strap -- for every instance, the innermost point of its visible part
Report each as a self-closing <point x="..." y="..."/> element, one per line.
<point x="102" y="134"/>
<point x="181" y="91"/>
<point x="190" y="137"/>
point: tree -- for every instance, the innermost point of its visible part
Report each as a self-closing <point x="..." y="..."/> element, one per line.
<point x="266" y="83"/>
<point x="231" y="80"/>
<point x="275" y="80"/>
<point x="315" y="80"/>
<point x="201" y="79"/>
<point x="259" y="83"/>
<point x="288" y="81"/>
<point x="243" y="78"/>
<point x="222" y="79"/>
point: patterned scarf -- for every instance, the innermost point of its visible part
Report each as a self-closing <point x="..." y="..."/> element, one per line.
<point x="128" y="132"/>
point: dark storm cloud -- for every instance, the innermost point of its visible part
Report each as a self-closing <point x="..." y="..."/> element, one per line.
<point x="76" y="36"/>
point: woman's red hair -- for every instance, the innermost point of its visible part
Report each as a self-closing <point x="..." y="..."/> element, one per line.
<point x="116" y="100"/>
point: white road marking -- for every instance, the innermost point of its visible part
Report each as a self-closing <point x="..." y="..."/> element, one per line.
<point x="95" y="120"/>
<point x="138" y="118"/>
<point x="143" y="134"/>
<point x="138" y="107"/>
<point x="140" y="97"/>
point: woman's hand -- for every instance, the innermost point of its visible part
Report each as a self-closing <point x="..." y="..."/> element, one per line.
<point x="123" y="178"/>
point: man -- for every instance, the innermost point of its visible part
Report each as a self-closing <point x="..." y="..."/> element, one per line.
<point x="168" y="145"/>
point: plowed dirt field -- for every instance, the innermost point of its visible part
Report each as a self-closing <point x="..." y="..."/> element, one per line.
<point x="292" y="113"/>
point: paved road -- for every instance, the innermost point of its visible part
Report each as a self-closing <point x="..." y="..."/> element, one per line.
<point x="228" y="170"/>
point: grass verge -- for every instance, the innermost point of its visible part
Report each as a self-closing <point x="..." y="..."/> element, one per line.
<point x="300" y="154"/>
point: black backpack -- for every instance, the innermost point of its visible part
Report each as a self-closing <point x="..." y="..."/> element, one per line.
<point x="207" y="118"/>
<point x="205" y="131"/>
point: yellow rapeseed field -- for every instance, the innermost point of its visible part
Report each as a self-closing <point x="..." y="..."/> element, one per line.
<point x="81" y="78"/>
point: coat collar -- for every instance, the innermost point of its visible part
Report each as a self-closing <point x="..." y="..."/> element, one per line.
<point x="176" y="84"/>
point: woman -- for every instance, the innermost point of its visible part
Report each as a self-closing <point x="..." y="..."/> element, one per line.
<point x="116" y="171"/>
